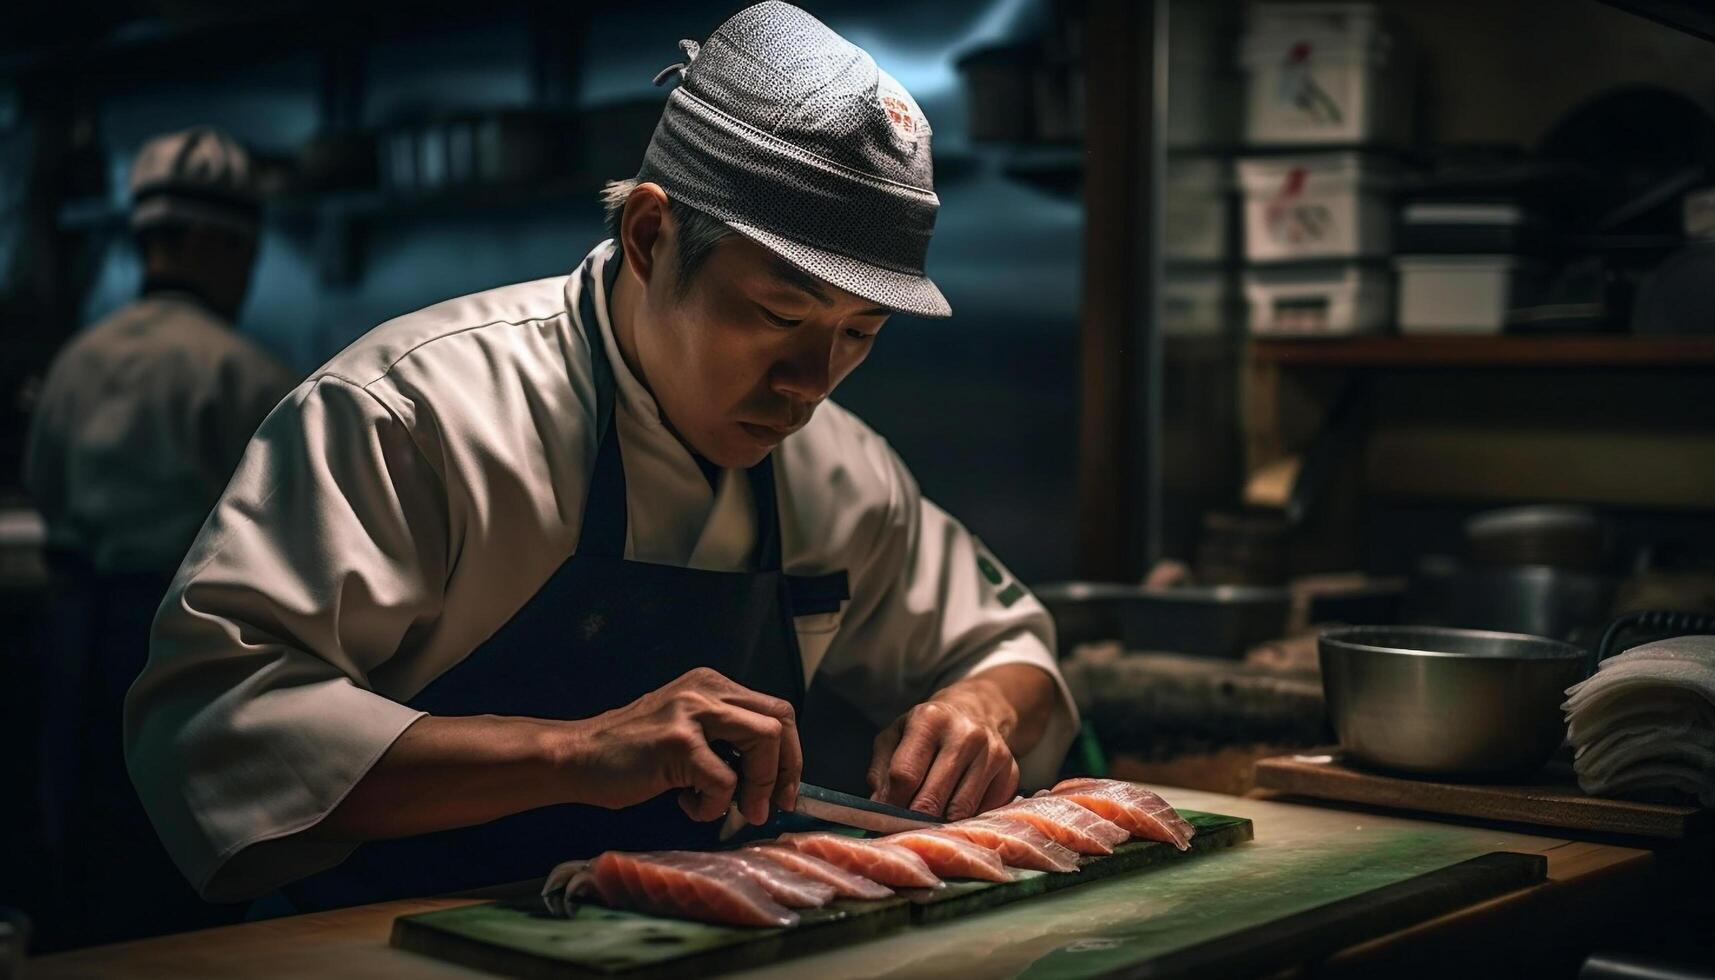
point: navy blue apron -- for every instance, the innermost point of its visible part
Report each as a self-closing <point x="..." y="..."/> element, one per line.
<point x="600" y="633"/>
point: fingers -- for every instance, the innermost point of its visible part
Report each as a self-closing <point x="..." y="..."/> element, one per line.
<point x="717" y="685"/>
<point x="911" y="758"/>
<point x="783" y="756"/>
<point x="712" y="784"/>
<point x="765" y="731"/>
<point x="1003" y="788"/>
<point x="791" y="765"/>
<point x="994" y="765"/>
<point x="880" y="756"/>
<point x="757" y="738"/>
<point x="953" y="760"/>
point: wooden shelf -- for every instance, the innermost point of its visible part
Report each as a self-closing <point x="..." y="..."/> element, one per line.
<point x="1525" y="352"/>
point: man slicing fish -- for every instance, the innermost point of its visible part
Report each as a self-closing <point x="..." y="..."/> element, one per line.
<point x="493" y="586"/>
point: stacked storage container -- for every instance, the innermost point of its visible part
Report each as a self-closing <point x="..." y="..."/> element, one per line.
<point x="1465" y="265"/>
<point x="1329" y="92"/>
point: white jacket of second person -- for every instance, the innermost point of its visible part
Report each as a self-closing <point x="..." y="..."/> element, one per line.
<point x="141" y="422"/>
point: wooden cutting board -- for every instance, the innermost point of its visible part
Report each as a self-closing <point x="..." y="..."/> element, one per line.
<point x="1554" y="802"/>
<point x="522" y="939"/>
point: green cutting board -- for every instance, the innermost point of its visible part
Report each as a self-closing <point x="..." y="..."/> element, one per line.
<point x="523" y="939"/>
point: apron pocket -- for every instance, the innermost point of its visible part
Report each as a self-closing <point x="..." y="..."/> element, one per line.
<point x="816" y="633"/>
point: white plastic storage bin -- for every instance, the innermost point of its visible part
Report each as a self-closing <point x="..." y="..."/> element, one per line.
<point x="1318" y="300"/>
<point x="1334" y="205"/>
<point x="1196" y="212"/>
<point x="1325" y="73"/>
<point x="1195" y="301"/>
<point x="1462" y="294"/>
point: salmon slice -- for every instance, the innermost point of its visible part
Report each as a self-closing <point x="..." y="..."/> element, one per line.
<point x="845" y="883"/>
<point x="1066" y="823"/>
<point x="888" y="864"/>
<point x="788" y="887"/>
<point x="681" y="884"/>
<point x="950" y="856"/>
<point x="1019" y="844"/>
<point x="1142" y="813"/>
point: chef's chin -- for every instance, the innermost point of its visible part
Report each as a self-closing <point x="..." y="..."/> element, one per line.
<point x="739" y="447"/>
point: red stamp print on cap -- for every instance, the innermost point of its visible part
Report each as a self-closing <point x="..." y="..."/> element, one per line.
<point x="902" y="114"/>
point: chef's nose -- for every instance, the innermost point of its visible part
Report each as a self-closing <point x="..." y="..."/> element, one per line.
<point x="808" y="375"/>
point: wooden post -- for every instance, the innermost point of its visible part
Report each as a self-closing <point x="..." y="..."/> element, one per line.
<point x="1118" y="446"/>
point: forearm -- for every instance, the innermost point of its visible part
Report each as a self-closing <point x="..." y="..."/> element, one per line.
<point x="1017" y="699"/>
<point x="446" y="772"/>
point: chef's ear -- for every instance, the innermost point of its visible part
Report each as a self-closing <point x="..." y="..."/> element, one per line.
<point x="645" y="231"/>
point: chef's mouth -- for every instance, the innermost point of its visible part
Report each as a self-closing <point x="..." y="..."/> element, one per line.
<point x="768" y="433"/>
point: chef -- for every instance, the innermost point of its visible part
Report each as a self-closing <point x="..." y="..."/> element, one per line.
<point x="569" y="565"/>
<point x="141" y="422"/>
<point x="144" y="415"/>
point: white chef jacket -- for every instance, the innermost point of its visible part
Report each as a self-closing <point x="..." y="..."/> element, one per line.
<point x="416" y="491"/>
<point x="141" y="421"/>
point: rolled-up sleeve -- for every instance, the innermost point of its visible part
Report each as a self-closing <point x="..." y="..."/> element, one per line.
<point x="256" y="713"/>
<point x="930" y="605"/>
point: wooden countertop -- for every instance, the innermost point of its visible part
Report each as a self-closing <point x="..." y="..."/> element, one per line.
<point x="353" y="942"/>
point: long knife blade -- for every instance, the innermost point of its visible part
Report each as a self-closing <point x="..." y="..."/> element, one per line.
<point x="832" y="806"/>
<point x="855" y="811"/>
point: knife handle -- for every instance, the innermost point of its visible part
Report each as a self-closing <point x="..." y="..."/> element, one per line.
<point x="729" y="754"/>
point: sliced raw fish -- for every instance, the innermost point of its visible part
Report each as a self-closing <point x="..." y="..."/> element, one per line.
<point x="682" y="884"/>
<point x="1019" y="844"/>
<point x="950" y="856"/>
<point x="1141" y="812"/>
<point x="846" y="884"/>
<point x="788" y="887"/>
<point x="1066" y="823"/>
<point x="888" y="864"/>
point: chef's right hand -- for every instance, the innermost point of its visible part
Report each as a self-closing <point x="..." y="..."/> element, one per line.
<point x="661" y="742"/>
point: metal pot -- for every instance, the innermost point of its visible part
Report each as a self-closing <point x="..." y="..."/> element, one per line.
<point x="1447" y="702"/>
<point x="1541" y="534"/>
<point x="1537" y="600"/>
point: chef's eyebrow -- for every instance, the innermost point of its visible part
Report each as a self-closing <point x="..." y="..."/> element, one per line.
<point x="797" y="278"/>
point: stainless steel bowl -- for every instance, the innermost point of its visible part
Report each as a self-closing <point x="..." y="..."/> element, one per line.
<point x="1452" y="702"/>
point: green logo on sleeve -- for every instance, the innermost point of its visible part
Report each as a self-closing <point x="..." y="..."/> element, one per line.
<point x="992" y="574"/>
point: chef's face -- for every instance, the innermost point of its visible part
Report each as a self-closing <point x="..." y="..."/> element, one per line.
<point x="741" y="357"/>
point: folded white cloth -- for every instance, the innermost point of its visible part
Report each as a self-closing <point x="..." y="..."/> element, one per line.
<point x="1645" y="722"/>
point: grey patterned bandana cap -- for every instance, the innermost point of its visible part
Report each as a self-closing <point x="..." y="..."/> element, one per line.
<point x="791" y="135"/>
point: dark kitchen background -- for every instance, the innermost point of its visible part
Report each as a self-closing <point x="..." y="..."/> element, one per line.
<point x="1307" y="313"/>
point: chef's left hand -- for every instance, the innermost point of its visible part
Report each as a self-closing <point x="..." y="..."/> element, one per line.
<point x="949" y="755"/>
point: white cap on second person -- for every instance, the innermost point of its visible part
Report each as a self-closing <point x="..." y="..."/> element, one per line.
<point x="195" y="176"/>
